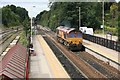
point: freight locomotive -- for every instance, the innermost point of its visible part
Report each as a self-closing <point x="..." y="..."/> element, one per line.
<point x="70" y="37"/>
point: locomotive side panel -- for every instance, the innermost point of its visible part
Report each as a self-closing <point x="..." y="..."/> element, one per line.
<point x="60" y="36"/>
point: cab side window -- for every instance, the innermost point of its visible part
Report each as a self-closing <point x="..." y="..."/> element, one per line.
<point x="57" y="31"/>
<point x="65" y="36"/>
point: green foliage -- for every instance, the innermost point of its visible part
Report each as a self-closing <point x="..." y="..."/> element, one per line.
<point x="44" y="18"/>
<point x="107" y="29"/>
<point x="67" y="13"/>
<point x="61" y="13"/>
<point x="112" y="30"/>
<point x="26" y="27"/>
<point x="111" y="17"/>
<point x="13" y="16"/>
<point x="119" y="26"/>
<point x="0" y="18"/>
<point x="23" y="39"/>
<point x="98" y="31"/>
<point x="8" y="17"/>
<point x="113" y="10"/>
<point x="22" y="12"/>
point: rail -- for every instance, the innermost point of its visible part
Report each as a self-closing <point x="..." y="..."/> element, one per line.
<point x="9" y="43"/>
<point x="105" y="58"/>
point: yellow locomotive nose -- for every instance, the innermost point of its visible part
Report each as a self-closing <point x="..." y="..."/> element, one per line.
<point x="75" y="41"/>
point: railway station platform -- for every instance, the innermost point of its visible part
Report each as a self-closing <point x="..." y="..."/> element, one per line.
<point x="45" y="64"/>
<point x="108" y="53"/>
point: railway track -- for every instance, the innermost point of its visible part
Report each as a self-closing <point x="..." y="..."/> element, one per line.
<point x="80" y="64"/>
<point x="101" y="68"/>
<point x="4" y="43"/>
<point x="73" y="72"/>
<point x="4" y="38"/>
<point x="4" y="35"/>
<point x="70" y="68"/>
<point x="74" y="59"/>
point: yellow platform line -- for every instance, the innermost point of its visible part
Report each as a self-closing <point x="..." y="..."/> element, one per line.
<point x="55" y="66"/>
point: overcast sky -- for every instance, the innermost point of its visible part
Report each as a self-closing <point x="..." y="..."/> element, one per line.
<point x="28" y="5"/>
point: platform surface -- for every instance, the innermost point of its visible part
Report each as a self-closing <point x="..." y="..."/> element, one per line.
<point x="39" y="67"/>
<point x="45" y="64"/>
<point x="109" y="53"/>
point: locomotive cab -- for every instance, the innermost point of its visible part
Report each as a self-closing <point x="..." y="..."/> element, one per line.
<point x="70" y="37"/>
<point x="75" y="40"/>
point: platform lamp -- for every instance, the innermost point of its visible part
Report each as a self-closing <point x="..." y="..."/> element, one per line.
<point x="103" y="16"/>
<point x="31" y="30"/>
<point x="31" y="26"/>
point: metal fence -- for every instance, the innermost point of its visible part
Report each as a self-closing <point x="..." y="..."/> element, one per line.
<point x="104" y="42"/>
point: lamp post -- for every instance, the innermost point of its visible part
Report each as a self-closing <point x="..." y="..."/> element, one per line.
<point x="103" y="16"/>
<point x="31" y="25"/>
<point x="31" y="29"/>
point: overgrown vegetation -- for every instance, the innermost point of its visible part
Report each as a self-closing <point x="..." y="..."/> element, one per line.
<point x="26" y="27"/>
<point x="16" y="16"/>
<point x="13" y="16"/>
<point x="23" y="39"/>
<point x="119" y="24"/>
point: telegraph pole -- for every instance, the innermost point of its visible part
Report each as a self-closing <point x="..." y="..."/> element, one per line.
<point x="31" y="29"/>
<point x="31" y="24"/>
<point x="103" y="16"/>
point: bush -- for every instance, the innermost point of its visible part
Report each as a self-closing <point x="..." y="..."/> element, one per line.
<point x="112" y="30"/>
<point x="23" y="40"/>
<point x="98" y="31"/>
<point x="108" y="29"/>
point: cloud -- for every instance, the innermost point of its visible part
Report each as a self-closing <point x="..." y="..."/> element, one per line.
<point x="32" y="11"/>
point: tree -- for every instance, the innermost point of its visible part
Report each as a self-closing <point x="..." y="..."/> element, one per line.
<point x="114" y="14"/>
<point x="26" y="26"/>
<point x="0" y="17"/>
<point x="119" y="30"/>
<point x="13" y="16"/>
<point x="68" y="13"/>
<point x="22" y="12"/>
<point x="119" y="22"/>
<point x="9" y="18"/>
<point x="62" y="13"/>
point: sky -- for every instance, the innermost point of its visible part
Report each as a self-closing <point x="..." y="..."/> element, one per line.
<point x="33" y="7"/>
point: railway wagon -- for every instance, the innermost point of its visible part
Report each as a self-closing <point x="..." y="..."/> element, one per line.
<point x="70" y="37"/>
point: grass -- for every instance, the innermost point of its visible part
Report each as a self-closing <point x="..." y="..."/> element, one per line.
<point x="23" y="39"/>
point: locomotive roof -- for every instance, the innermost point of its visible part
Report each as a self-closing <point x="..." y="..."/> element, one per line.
<point x="65" y="29"/>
